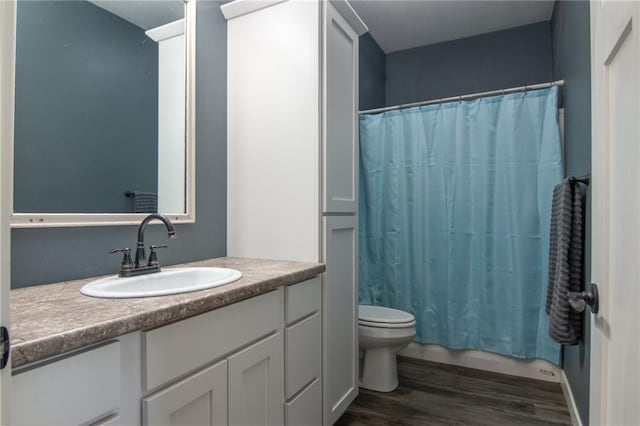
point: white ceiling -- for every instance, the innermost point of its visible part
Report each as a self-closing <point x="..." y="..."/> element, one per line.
<point x="403" y="24"/>
<point x="145" y="14"/>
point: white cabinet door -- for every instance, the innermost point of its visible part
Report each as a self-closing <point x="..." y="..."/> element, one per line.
<point x="340" y="114"/>
<point x="340" y="315"/>
<point x="200" y="399"/>
<point x="256" y="384"/>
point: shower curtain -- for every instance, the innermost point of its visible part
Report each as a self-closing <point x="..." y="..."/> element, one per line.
<point x="455" y="203"/>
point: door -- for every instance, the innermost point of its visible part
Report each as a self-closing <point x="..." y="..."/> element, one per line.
<point x="340" y="112"/>
<point x="7" y="58"/>
<point x="198" y="400"/>
<point x="340" y="315"/>
<point x="615" y="340"/>
<point x="256" y="384"/>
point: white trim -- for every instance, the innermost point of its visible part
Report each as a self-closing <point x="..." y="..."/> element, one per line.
<point x="599" y="218"/>
<point x="538" y="369"/>
<point x="571" y="402"/>
<point x="561" y="125"/>
<point x="243" y="7"/>
<point x="191" y="113"/>
<point x="353" y="19"/>
<point x="166" y="31"/>
<point x="7" y="87"/>
<point x="51" y="220"/>
<point x="64" y="220"/>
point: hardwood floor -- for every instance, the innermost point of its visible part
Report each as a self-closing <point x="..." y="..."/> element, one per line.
<point x="438" y="394"/>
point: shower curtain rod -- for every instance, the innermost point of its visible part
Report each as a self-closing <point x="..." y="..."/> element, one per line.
<point x="466" y="97"/>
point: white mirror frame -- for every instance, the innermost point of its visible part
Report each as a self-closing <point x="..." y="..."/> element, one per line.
<point x="52" y="220"/>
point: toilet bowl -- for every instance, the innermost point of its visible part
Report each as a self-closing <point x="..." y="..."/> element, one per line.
<point x="383" y="332"/>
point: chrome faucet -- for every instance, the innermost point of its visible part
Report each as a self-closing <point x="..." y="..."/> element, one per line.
<point x="141" y="265"/>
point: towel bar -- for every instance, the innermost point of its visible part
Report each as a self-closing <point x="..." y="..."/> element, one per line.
<point x="582" y="179"/>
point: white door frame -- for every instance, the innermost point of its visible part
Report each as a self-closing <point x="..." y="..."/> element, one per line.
<point x="598" y="214"/>
<point x="7" y="87"/>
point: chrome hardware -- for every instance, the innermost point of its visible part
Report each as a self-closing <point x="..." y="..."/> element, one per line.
<point x="579" y="299"/>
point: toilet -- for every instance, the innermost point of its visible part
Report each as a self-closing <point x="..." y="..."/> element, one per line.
<point x="383" y="332"/>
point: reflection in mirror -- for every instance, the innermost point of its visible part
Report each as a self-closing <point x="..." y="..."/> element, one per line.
<point x="100" y="107"/>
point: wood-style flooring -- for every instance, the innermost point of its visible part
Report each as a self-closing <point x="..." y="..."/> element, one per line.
<point x="438" y="394"/>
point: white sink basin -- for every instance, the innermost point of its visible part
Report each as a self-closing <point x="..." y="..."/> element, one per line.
<point x="168" y="281"/>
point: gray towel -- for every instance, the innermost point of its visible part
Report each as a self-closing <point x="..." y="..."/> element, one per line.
<point x="565" y="262"/>
<point x="145" y="202"/>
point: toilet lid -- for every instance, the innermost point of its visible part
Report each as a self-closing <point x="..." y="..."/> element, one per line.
<point x="382" y="316"/>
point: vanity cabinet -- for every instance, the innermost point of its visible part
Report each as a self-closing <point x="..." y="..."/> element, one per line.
<point x="257" y="361"/>
<point x="245" y="387"/>
<point x="199" y="399"/>
<point x="69" y="390"/>
<point x="176" y="350"/>
<point x="292" y="159"/>
<point x="303" y="353"/>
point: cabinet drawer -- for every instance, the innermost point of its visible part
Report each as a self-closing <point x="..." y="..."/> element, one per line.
<point x="75" y="390"/>
<point x="176" y="349"/>
<point x="303" y="354"/>
<point x="302" y="299"/>
<point x="306" y="408"/>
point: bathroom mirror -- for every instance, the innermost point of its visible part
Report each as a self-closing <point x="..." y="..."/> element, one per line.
<point x="104" y="112"/>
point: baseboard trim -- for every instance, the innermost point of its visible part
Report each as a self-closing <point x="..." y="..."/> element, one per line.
<point x="571" y="402"/>
<point x="534" y="369"/>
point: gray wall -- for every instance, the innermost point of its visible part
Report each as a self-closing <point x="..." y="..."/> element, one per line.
<point x="497" y="60"/>
<point x="86" y="101"/>
<point x="372" y="73"/>
<point x="58" y="254"/>
<point x="572" y="62"/>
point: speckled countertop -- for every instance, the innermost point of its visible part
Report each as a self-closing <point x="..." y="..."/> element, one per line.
<point x="51" y="319"/>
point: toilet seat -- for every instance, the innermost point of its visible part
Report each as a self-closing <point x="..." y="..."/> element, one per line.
<point x="382" y="317"/>
<point x="386" y="325"/>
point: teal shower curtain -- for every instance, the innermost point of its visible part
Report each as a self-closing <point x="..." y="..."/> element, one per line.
<point x="455" y="203"/>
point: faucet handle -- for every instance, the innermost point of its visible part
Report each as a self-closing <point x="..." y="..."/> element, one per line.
<point x="127" y="264"/>
<point x="153" y="257"/>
